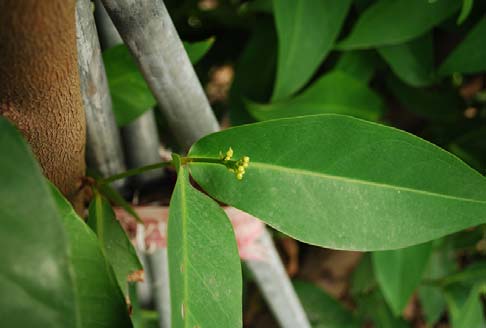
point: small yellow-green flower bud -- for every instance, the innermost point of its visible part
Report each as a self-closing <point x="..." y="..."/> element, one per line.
<point x="239" y="176"/>
<point x="245" y="165"/>
<point x="246" y="159"/>
<point x="229" y="154"/>
<point x="241" y="169"/>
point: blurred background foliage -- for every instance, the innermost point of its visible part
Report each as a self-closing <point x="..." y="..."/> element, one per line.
<point x="417" y="65"/>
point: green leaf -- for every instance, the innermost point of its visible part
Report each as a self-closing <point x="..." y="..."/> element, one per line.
<point x="197" y="50"/>
<point x="204" y="266"/>
<point x="101" y="301"/>
<point x="129" y="92"/>
<point x="264" y="6"/>
<point x="306" y="33"/>
<point x="113" y="240"/>
<point x="465" y="307"/>
<point x="358" y="64"/>
<point x="441" y="104"/>
<point x="363" y="279"/>
<point x="466" y="8"/>
<point x="468" y="56"/>
<point x="470" y="148"/>
<point x="322" y="309"/>
<point x="251" y="63"/>
<point x="335" y="92"/>
<point x="360" y="185"/>
<point x="372" y="306"/>
<point x="37" y="284"/>
<point x="412" y="62"/>
<point x="391" y="22"/>
<point x="399" y="272"/>
<point x="431" y="296"/>
<point x="113" y="195"/>
<point x="475" y="273"/>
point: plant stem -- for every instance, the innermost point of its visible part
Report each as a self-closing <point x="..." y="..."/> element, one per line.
<point x="142" y="147"/>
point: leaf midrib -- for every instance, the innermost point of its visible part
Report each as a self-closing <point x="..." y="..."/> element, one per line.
<point x="353" y="181"/>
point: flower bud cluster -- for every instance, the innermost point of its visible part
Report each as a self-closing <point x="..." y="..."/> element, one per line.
<point x="236" y="166"/>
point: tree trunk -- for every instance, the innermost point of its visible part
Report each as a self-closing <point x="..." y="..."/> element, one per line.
<point x="40" y="90"/>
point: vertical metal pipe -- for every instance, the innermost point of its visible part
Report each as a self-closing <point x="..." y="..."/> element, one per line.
<point x="104" y="152"/>
<point x="148" y="31"/>
<point x="141" y="144"/>
<point x="273" y="281"/>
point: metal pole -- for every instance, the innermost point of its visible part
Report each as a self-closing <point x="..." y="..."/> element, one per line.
<point x="148" y="31"/>
<point x="141" y="143"/>
<point x="104" y="152"/>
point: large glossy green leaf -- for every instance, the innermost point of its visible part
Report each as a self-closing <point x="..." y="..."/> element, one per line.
<point x="336" y="92"/>
<point x="468" y="56"/>
<point x="412" y="62"/>
<point x="322" y="309"/>
<point x="113" y="240"/>
<point x="344" y="183"/>
<point x="101" y="301"/>
<point x="204" y="266"/>
<point x="306" y="33"/>
<point x="129" y="92"/>
<point x="391" y="22"/>
<point x="36" y="281"/>
<point x="399" y="272"/>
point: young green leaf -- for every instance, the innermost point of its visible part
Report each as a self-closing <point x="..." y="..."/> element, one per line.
<point x="306" y="33"/>
<point x="359" y="185"/>
<point x="322" y="309"/>
<point x="204" y="266"/>
<point x="37" y="284"/>
<point x="113" y="195"/>
<point x="251" y="63"/>
<point x="197" y="50"/>
<point x="393" y="22"/>
<point x="359" y="64"/>
<point x="468" y="56"/>
<point x="335" y="92"/>
<point x="130" y="94"/>
<point x="431" y="296"/>
<point x="399" y="272"/>
<point x="129" y="91"/>
<point x="412" y="62"/>
<point x="442" y="104"/>
<point x="475" y="273"/>
<point x="100" y="300"/>
<point x="114" y="242"/>
<point x="372" y="306"/>
<point x="465" y="307"/>
<point x="466" y="8"/>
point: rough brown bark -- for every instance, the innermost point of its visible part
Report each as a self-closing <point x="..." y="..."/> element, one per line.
<point x="39" y="86"/>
